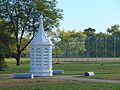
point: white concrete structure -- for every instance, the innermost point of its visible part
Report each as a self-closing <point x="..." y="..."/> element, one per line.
<point x="41" y="53"/>
<point x="89" y="74"/>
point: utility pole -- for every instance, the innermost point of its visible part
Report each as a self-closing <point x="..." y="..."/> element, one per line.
<point x="105" y="48"/>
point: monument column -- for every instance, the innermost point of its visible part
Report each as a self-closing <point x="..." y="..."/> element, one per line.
<point x="41" y="53"/>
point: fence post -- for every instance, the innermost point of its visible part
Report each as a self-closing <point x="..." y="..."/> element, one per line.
<point x="96" y="47"/>
<point x="114" y="47"/>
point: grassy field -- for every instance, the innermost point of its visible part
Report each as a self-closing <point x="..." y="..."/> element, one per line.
<point x="53" y="84"/>
<point x="105" y="71"/>
<point x="108" y="70"/>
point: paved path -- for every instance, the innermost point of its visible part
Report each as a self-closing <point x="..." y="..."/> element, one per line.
<point x="75" y="77"/>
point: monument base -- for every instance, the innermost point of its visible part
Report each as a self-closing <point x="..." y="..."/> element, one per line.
<point x="42" y="74"/>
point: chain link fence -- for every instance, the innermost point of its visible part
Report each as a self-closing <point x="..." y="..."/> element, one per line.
<point x="95" y="49"/>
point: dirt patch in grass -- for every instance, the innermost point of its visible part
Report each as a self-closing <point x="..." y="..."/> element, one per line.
<point x="12" y="82"/>
<point x="6" y="76"/>
<point x="6" y="80"/>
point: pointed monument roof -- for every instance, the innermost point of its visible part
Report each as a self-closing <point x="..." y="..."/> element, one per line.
<point x="40" y="38"/>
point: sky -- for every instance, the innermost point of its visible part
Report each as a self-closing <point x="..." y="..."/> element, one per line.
<point x="82" y="14"/>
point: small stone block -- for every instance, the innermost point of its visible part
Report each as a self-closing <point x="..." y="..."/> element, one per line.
<point x="58" y="72"/>
<point x="89" y="74"/>
<point x="23" y="75"/>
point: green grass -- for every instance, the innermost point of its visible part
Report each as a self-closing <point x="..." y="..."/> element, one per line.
<point x="12" y="68"/>
<point x="109" y="70"/>
<point x="54" y="84"/>
<point x="64" y="86"/>
<point x="106" y="71"/>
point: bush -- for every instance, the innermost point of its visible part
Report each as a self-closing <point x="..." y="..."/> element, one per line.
<point x="2" y="63"/>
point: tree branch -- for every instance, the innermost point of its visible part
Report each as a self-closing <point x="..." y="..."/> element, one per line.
<point x="27" y="44"/>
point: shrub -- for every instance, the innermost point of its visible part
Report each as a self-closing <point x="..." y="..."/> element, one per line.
<point x="2" y="63"/>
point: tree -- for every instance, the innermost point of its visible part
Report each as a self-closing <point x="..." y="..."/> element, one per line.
<point x="102" y="46"/>
<point x="5" y="41"/>
<point x="68" y="43"/>
<point x="23" y="18"/>
<point x="2" y="53"/>
<point x="115" y="38"/>
<point x="89" y="32"/>
<point x="65" y="40"/>
<point x="57" y="51"/>
<point x="78" y="43"/>
<point x="114" y="30"/>
<point x="90" y="42"/>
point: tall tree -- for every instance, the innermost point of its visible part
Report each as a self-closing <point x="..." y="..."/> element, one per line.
<point x="23" y="16"/>
<point x="101" y="44"/>
<point x="69" y="42"/>
<point x="89" y="32"/>
<point x="115" y="38"/>
<point x="114" y="30"/>
<point x="90" y="42"/>
<point x="5" y="41"/>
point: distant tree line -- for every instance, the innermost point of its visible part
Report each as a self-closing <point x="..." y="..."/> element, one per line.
<point x="88" y="43"/>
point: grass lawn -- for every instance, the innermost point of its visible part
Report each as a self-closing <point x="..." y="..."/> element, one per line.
<point x="107" y="71"/>
<point x="110" y="70"/>
<point x="53" y="84"/>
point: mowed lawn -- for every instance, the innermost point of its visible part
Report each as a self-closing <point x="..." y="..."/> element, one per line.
<point x="54" y="84"/>
<point x="109" y="70"/>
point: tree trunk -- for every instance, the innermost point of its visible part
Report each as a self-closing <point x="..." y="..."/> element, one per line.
<point x="18" y="59"/>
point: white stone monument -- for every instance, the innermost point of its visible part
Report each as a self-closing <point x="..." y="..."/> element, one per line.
<point x="41" y="53"/>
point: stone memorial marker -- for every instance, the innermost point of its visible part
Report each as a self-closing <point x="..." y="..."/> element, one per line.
<point x="41" y="53"/>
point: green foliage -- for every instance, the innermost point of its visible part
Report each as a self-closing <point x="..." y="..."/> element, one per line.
<point x="2" y="54"/>
<point x="5" y="41"/>
<point x="57" y="51"/>
<point x="114" y="38"/>
<point x="22" y="16"/>
<point x="2" y="63"/>
<point x="25" y="13"/>
<point x="68" y="42"/>
<point x="89" y="32"/>
<point x="51" y="13"/>
<point x="114" y="30"/>
<point x="87" y="43"/>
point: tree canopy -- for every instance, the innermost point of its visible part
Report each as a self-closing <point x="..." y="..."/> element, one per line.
<point x="22" y="16"/>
